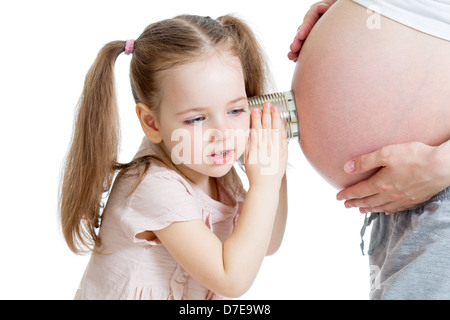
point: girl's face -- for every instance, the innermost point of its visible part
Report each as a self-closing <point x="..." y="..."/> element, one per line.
<point x="204" y="118"/>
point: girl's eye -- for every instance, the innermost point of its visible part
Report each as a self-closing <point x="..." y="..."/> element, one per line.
<point x="195" y="120"/>
<point x="237" y="111"/>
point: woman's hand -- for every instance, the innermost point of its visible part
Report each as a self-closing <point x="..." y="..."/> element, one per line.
<point x="266" y="154"/>
<point x="409" y="174"/>
<point x="311" y="18"/>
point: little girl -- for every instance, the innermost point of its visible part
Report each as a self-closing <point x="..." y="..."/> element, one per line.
<point x="176" y="225"/>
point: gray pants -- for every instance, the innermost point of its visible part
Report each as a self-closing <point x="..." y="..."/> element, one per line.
<point x="409" y="251"/>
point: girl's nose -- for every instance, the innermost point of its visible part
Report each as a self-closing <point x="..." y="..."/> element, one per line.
<point x="216" y="135"/>
<point x="218" y="131"/>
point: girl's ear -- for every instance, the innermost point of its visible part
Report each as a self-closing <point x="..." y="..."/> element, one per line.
<point x="149" y="122"/>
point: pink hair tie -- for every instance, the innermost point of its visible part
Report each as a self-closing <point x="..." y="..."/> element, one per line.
<point x="129" y="47"/>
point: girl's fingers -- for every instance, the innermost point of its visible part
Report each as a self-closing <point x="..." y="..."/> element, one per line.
<point x="256" y="119"/>
<point x="276" y="118"/>
<point x="252" y="146"/>
<point x="266" y="116"/>
<point x="263" y="123"/>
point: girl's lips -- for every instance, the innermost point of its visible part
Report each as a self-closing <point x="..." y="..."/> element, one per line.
<point x="221" y="157"/>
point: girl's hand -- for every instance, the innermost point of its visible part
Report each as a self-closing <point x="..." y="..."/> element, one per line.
<point x="266" y="154"/>
<point x="311" y="18"/>
<point x="409" y="174"/>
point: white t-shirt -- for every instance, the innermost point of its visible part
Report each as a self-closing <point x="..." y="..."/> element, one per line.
<point x="429" y="16"/>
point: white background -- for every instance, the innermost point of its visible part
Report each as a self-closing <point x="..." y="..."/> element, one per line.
<point x="46" y="49"/>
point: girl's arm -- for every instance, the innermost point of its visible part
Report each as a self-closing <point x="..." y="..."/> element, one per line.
<point x="230" y="268"/>
<point x="280" y="220"/>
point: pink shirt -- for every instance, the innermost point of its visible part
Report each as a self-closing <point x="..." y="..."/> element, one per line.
<point x="131" y="268"/>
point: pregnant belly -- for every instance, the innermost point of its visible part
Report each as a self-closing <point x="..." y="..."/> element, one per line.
<point x="358" y="89"/>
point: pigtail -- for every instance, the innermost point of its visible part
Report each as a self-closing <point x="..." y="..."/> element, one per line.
<point x="254" y="62"/>
<point x="92" y="157"/>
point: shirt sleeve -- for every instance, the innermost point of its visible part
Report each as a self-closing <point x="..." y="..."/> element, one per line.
<point x="160" y="200"/>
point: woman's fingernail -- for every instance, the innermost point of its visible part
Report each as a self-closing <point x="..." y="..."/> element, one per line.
<point x="350" y="166"/>
<point x="275" y="109"/>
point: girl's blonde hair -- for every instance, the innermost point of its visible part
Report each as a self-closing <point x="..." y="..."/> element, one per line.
<point x="91" y="162"/>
